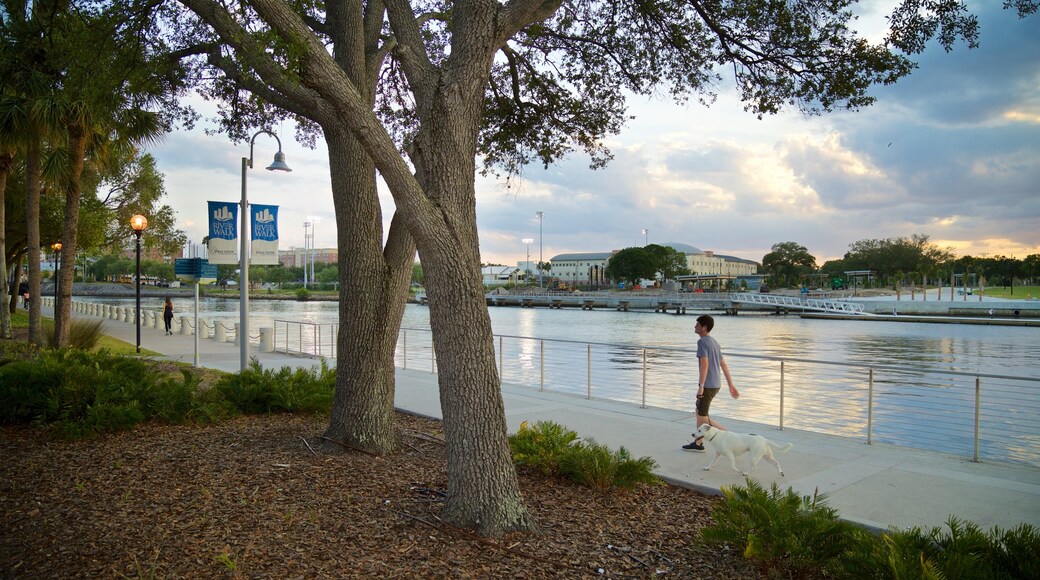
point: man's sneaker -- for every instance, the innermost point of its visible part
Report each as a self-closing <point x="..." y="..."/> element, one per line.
<point x="694" y="446"/>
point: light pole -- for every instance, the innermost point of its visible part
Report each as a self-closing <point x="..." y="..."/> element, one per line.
<point x="527" y="264"/>
<point x="139" y="223"/>
<point x="57" y="267"/>
<point x="646" y="237"/>
<point x="243" y="257"/>
<point x="306" y="250"/>
<point x="540" y="215"/>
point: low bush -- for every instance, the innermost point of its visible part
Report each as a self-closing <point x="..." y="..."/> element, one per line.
<point x="80" y="394"/>
<point x="256" y="390"/>
<point x="597" y="466"/>
<point x="541" y="446"/>
<point x="785" y="535"/>
<point x="556" y="450"/>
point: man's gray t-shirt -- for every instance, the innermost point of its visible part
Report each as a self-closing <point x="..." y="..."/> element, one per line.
<point x="709" y="347"/>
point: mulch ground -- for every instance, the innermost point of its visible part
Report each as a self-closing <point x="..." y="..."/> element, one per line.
<point x="248" y="498"/>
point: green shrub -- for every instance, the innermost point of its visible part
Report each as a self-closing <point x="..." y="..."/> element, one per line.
<point x="596" y="466"/>
<point x="256" y="390"/>
<point x="782" y="533"/>
<point x="541" y="446"/>
<point x="302" y="294"/>
<point x="81" y="393"/>
<point x="964" y="552"/>
<point x="556" y="450"/>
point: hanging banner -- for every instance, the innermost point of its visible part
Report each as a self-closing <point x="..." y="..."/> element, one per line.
<point x="264" y="229"/>
<point x="223" y="232"/>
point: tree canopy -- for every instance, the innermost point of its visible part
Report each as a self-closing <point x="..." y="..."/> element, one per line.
<point x="788" y="263"/>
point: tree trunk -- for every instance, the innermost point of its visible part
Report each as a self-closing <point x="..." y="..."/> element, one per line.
<point x="6" y="160"/>
<point x="32" y="228"/>
<point x="17" y="277"/>
<point x="483" y="491"/>
<point x="373" y="287"/>
<point x="70" y="234"/>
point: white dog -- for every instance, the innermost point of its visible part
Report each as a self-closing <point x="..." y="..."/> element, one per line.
<point x="732" y="444"/>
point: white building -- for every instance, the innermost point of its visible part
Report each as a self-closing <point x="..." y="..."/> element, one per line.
<point x="588" y="268"/>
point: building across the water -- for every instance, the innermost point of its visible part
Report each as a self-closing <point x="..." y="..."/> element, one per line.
<point x="587" y="268"/>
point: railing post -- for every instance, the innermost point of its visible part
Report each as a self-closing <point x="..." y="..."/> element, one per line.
<point x="781" y="395"/>
<point x="588" y="370"/>
<point x="433" y="358"/>
<point x="644" y="379"/>
<point x="317" y="343"/>
<point x="870" y="408"/>
<point x="541" y="365"/>
<point x="501" y="360"/>
<point x="978" y="400"/>
<point x="405" y="351"/>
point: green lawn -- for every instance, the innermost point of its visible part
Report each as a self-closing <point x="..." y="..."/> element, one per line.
<point x="20" y="319"/>
<point x="1018" y="293"/>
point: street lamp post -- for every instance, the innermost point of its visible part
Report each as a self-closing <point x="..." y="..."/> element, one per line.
<point x="138" y="223"/>
<point x="243" y="256"/>
<point x="646" y="237"/>
<point x="527" y="264"/>
<point x="540" y="215"/>
<point x="57" y="267"/>
<point x="306" y="250"/>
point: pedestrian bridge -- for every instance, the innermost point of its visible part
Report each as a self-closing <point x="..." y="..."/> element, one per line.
<point x="796" y="303"/>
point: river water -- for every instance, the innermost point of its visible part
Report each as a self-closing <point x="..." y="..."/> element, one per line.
<point x="889" y="381"/>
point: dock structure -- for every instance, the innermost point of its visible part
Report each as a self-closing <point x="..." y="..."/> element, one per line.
<point x="675" y="303"/>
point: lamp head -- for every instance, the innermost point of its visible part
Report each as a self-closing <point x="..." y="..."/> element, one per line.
<point x="139" y="223"/>
<point x="56" y="246"/>
<point x="279" y="163"/>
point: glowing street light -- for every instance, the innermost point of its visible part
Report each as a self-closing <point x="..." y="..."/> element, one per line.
<point x="57" y="266"/>
<point x="138" y="223"/>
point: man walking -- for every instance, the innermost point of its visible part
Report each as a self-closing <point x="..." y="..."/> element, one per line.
<point x="712" y="366"/>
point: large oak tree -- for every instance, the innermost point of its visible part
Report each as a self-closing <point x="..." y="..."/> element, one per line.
<point x="521" y="81"/>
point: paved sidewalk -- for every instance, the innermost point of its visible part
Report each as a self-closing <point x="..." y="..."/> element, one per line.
<point x="877" y="485"/>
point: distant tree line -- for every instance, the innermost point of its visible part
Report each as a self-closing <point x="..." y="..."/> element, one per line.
<point x="897" y="261"/>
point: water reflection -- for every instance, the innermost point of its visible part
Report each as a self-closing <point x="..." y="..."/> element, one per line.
<point x="604" y="354"/>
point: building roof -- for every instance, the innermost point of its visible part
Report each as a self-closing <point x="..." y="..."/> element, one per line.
<point x="684" y="248"/>
<point x="735" y="259"/>
<point x="582" y="256"/>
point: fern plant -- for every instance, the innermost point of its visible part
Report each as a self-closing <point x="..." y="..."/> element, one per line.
<point x="782" y="532"/>
<point x="597" y="466"/>
<point x="541" y="446"/>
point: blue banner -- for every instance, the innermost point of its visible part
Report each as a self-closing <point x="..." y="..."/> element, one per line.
<point x="223" y="232"/>
<point x="264" y="230"/>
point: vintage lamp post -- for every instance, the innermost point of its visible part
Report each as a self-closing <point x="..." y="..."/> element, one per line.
<point x="138" y="223"/>
<point x="243" y="255"/>
<point x="57" y="267"/>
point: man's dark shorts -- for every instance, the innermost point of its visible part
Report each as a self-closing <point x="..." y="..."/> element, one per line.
<point x="704" y="402"/>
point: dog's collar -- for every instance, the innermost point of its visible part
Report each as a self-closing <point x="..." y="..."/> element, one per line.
<point x="713" y="435"/>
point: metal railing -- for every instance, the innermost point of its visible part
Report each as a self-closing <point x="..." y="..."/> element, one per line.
<point x="973" y="414"/>
<point x="305" y="338"/>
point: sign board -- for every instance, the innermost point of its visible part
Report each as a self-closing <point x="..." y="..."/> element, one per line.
<point x="192" y="269"/>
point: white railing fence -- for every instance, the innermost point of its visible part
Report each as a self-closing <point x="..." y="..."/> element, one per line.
<point x="977" y="415"/>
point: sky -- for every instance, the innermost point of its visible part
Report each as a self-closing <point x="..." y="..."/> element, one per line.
<point x="952" y="152"/>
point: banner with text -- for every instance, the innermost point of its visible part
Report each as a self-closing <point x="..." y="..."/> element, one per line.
<point x="264" y="227"/>
<point x="223" y="232"/>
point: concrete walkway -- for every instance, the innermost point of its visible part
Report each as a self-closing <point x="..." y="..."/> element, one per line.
<point x="881" y="486"/>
